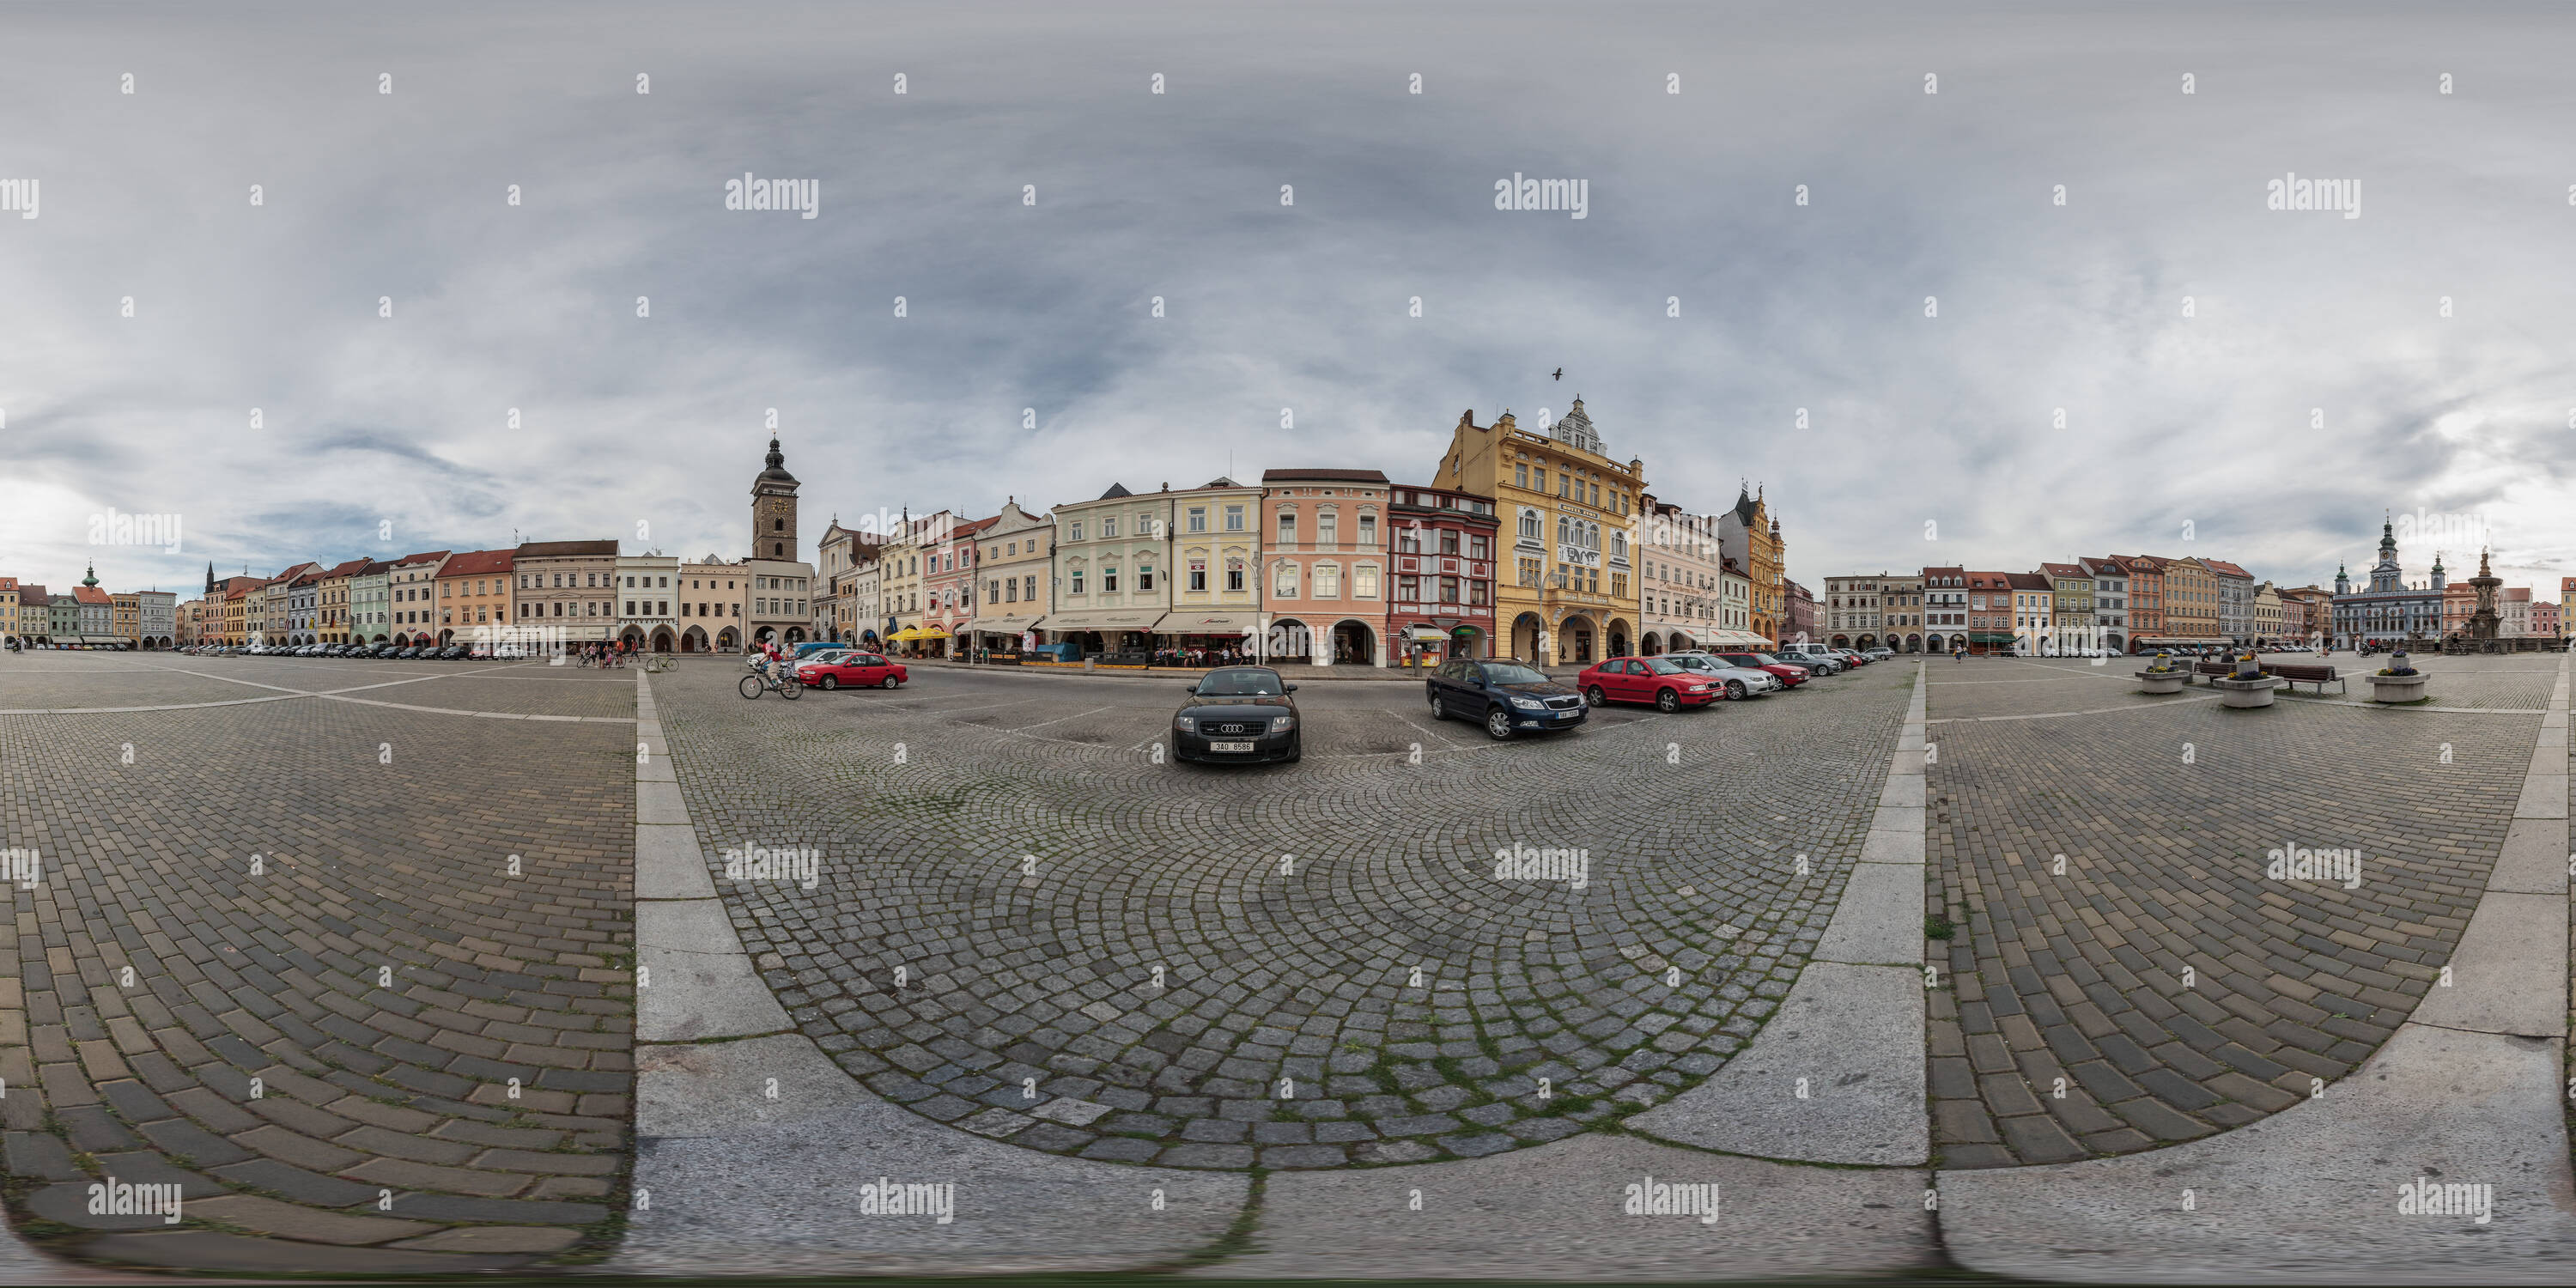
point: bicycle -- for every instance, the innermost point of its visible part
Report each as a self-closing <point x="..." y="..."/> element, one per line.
<point x="752" y="685"/>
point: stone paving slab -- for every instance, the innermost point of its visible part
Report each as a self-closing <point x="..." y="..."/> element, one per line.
<point x="2311" y="1194"/>
<point x="1854" y="1035"/>
<point x="742" y="1183"/>
<point x="1559" y="1212"/>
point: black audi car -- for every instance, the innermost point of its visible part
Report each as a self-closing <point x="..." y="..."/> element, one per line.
<point x="1238" y="713"/>
<point x="1505" y="696"/>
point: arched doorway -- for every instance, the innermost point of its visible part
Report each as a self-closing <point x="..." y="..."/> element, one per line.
<point x="795" y="634"/>
<point x="1575" y="642"/>
<point x="1620" y="634"/>
<point x="1650" y="644"/>
<point x="1841" y="641"/>
<point x="1354" y="644"/>
<point x="631" y="638"/>
<point x="694" y="640"/>
<point x="1868" y="642"/>
<point x="662" y="640"/>
<point x="728" y="641"/>
<point x="1913" y="643"/>
<point x="2114" y="643"/>
<point x="447" y="637"/>
<point x="1524" y="639"/>
<point x="762" y="636"/>
<point x="1288" y="641"/>
<point x="1933" y="643"/>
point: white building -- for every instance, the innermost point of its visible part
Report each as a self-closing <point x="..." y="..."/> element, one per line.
<point x="646" y="603"/>
<point x="2110" y="601"/>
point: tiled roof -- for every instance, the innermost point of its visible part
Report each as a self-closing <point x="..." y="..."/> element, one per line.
<point x="2028" y="581"/>
<point x="563" y="549"/>
<point x="1323" y="476"/>
<point x="91" y="595"/>
<point x="432" y="556"/>
<point x="477" y="563"/>
<point x="2226" y="569"/>
<point x="349" y="569"/>
<point x="2063" y="570"/>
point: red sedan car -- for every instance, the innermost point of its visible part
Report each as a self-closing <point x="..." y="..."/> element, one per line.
<point x="1668" y="685"/>
<point x="865" y="670"/>
<point x="1791" y="676"/>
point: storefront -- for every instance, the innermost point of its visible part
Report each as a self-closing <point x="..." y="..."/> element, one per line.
<point x="998" y="635"/>
<point x="1106" y="630"/>
<point x="1207" y="637"/>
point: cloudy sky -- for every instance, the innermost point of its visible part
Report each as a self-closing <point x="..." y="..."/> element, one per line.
<point x="1930" y="439"/>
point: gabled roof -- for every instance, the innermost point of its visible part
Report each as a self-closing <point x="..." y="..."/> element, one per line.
<point x="91" y="595"/>
<point x="2226" y="569"/>
<point x="475" y="563"/>
<point x="32" y="595"/>
<point x="1115" y="490"/>
<point x="349" y="569"/>
<point x="428" y="557"/>
<point x="2063" y="570"/>
<point x="2028" y="581"/>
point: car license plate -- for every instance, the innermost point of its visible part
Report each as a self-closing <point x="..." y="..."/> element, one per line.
<point x="1568" y="715"/>
<point x="1229" y="746"/>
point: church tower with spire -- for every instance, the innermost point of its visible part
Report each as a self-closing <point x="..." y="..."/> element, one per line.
<point x="773" y="509"/>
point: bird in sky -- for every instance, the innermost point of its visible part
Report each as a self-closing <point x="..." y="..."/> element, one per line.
<point x="1560" y="374"/>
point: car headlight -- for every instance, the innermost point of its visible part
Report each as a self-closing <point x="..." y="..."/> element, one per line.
<point x="1529" y="704"/>
<point x="1282" y="724"/>
<point x="1185" y="724"/>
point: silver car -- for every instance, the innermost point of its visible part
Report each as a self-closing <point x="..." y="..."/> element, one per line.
<point x="1741" y="682"/>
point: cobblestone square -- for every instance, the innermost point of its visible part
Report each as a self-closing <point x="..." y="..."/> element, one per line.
<point x="340" y="948"/>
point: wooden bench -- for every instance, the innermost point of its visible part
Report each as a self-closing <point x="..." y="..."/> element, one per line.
<point x="2298" y="673"/>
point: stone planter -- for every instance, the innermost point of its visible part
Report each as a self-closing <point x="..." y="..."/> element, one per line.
<point x="2398" y="688"/>
<point x="2245" y="693"/>
<point x="2163" y="681"/>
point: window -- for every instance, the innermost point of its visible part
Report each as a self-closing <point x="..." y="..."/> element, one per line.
<point x="1076" y="534"/>
<point x="1234" y="574"/>
<point x="1144" y="578"/>
<point x="1408" y="589"/>
<point x="1448" y="590"/>
<point x="1287" y="527"/>
<point x="1538" y="478"/>
<point x="1198" y="518"/>
<point x="1520" y="475"/>
<point x="1030" y="584"/>
<point x="1198" y="574"/>
<point x="1448" y="543"/>
<point x="1234" y="518"/>
<point x="1328" y="527"/>
<point x="1530" y="530"/>
<point x="1328" y="581"/>
<point x="1368" y="529"/>
<point x="1283" y="582"/>
<point x="1075" y="577"/>
<point x="1364" y="582"/>
<point x="1564" y="484"/>
<point x="1109" y="579"/>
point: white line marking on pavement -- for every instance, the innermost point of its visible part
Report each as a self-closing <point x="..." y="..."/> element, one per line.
<point x="1061" y="719"/>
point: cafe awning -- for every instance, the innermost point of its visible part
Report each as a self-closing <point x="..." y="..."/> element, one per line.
<point x="1106" y="619"/>
<point x="1005" y="625"/>
<point x="911" y="633"/>
<point x="1203" y="621"/>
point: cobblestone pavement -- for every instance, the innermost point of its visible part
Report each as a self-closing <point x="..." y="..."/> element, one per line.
<point x="2161" y="987"/>
<point x="320" y="1051"/>
<point x="1022" y="924"/>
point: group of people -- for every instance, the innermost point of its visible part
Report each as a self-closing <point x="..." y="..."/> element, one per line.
<point x="605" y="655"/>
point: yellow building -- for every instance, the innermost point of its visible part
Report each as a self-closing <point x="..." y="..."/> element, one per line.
<point x="8" y="606"/>
<point x="126" y="613"/>
<point x="2191" y="601"/>
<point x="1565" y="587"/>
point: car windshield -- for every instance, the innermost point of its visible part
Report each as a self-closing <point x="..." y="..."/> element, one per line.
<point x="1661" y="666"/>
<point x="1513" y="673"/>
<point x="1247" y="683"/>
<point x="1693" y="662"/>
<point x="1763" y="659"/>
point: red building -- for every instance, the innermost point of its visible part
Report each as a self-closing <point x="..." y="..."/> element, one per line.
<point x="948" y="586"/>
<point x="1442" y="603"/>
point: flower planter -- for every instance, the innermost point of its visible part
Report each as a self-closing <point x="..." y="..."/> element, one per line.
<point x="2398" y="688"/>
<point x="2163" y="681"/>
<point x="2245" y="693"/>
